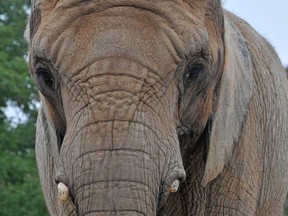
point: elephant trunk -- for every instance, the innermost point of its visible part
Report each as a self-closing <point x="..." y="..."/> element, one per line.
<point x="115" y="183"/>
<point x="121" y="169"/>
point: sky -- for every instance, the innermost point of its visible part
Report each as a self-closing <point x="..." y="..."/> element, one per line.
<point x="269" y="18"/>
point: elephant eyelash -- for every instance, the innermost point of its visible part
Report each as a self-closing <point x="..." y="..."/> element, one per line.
<point x="193" y="72"/>
<point x="45" y="79"/>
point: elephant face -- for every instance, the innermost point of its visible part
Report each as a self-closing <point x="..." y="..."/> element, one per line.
<point x="125" y="86"/>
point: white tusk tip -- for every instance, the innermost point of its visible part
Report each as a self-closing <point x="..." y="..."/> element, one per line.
<point x="63" y="192"/>
<point x="174" y="187"/>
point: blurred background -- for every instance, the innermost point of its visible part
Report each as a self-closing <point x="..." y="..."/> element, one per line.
<point x="20" y="192"/>
<point x="268" y="18"/>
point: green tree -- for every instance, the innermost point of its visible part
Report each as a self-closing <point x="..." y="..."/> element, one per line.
<point x="20" y="192"/>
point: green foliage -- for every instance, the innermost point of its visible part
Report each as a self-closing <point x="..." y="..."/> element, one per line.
<point x="15" y="83"/>
<point x="20" y="192"/>
<point x="285" y="212"/>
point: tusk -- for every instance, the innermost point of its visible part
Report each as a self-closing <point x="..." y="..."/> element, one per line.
<point x="174" y="187"/>
<point x="63" y="192"/>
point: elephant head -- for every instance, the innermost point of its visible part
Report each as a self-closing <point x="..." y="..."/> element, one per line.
<point x="128" y="88"/>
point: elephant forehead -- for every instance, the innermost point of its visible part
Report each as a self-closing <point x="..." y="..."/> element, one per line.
<point x="72" y="42"/>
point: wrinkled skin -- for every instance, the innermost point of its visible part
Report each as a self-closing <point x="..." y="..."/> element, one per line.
<point x="137" y="94"/>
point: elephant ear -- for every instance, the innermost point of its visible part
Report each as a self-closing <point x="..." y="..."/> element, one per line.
<point x="233" y="101"/>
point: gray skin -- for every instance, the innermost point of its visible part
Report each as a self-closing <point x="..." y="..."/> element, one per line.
<point x="136" y="94"/>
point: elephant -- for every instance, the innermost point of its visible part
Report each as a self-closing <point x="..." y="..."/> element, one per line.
<point x="174" y="107"/>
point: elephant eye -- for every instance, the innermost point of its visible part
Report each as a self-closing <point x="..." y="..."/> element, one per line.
<point x="44" y="78"/>
<point x="192" y="72"/>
